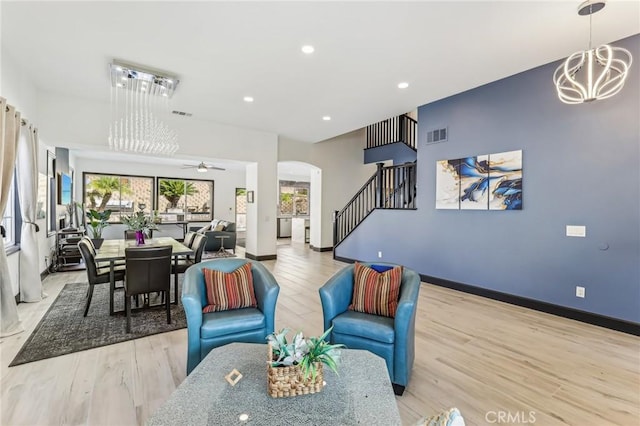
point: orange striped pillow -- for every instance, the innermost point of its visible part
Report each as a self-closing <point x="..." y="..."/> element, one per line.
<point x="374" y="292"/>
<point x="229" y="290"/>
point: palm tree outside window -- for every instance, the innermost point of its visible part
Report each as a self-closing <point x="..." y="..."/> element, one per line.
<point x="122" y="194"/>
<point x="185" y="199"/>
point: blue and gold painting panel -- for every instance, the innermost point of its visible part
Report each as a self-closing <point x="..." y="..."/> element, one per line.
<point x="447" y="185"/>
<point x="474" y="183"/>
<point x="505" y="181"/>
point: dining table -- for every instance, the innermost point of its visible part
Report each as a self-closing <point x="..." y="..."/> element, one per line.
<point x="114" y="250"/>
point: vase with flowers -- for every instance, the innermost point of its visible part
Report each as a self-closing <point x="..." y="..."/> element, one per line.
<point x="141" y="223"/>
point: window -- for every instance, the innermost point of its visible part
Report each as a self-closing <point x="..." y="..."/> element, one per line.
<point x="185" y="199"/>
<point x="294" y="198"/>
<point x="9" y="218"/>
<point x="121" y="194"/>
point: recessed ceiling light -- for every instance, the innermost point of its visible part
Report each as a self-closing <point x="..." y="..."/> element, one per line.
<point x="308" y="49"/>
<point x="326" y="118"/>
<point x="403" y="85"/>
<point x="248" y="99"/>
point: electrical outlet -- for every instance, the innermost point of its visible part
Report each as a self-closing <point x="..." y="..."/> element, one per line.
<point x="580" y="292"/>
<point x="379" y="255"/>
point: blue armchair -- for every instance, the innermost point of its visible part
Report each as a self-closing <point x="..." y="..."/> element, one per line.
<point x="210" y="330"/>
<point x="390" y="338"/>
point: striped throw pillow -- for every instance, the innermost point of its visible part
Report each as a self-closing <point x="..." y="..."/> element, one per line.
<point x="229" y="290"/>
<point x="374" y="292"/>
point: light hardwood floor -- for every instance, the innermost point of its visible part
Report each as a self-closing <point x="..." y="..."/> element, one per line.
<point x="482" y="356"/>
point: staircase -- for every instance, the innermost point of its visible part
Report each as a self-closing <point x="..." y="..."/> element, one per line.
<point x="392" y="187"/>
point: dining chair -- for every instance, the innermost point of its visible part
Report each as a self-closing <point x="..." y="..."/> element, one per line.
<point x="94" y="251"/>
<point x="130" y="234"/>
<point x="180" y="265"/>
<point x="96" y="274"/>
<point x="148" y="269"/>
<point x="188" y="238"/>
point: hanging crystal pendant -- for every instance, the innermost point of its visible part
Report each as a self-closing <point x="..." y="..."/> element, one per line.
<point x="139" y="101"/>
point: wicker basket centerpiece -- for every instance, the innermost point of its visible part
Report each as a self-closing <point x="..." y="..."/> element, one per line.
<point x="295" y="368"/>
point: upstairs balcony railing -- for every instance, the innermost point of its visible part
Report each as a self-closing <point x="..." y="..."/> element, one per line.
<point x="396" y="129"/>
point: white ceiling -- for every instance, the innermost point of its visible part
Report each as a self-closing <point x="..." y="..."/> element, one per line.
<point x="223" y="51"/>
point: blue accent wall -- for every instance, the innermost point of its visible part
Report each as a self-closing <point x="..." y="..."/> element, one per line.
<point x="580" y="167"/>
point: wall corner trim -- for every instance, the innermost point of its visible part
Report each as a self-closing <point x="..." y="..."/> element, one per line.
<point x="321" y="249"/>
<point x="260" y="258"/>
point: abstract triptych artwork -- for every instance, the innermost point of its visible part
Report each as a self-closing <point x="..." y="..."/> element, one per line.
<point x="483" y="182"/>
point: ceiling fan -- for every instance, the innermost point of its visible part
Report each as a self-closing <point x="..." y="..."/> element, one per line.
<point x="202" y="167"/>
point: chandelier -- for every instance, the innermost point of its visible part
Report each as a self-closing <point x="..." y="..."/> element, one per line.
<point x="597" y="73"/>
<point x="139" y="103"/>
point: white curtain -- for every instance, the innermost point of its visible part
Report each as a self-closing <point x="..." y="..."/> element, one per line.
<point x="27" y="172"/>
<point x="9" y="131"/>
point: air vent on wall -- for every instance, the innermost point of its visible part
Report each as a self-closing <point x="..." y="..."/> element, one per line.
<point x="185" y="114"/>
<point x="437" y="135"/>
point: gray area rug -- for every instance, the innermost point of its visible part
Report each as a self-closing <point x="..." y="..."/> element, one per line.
<point x="63" y="329"/>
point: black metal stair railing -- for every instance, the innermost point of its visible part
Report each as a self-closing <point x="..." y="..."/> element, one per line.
<point x="392" y="187"/>
<point x="396" y="129"/>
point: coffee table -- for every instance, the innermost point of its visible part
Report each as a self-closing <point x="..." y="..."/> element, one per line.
<point x="360" y="394"/>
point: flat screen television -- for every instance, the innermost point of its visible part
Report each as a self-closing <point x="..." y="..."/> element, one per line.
<point x="64" y="189"/>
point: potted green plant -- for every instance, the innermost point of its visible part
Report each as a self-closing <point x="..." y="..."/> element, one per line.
<point x="141" y="223"/>
<point x="97" y="221"/>
<point x="295" y="367"/>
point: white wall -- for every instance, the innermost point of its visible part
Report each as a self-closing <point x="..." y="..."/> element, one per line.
<point x="291" y="150"/>
<point x="262" y="213"/>
<point x="315" y="217"/>
<point x="343" y="173"/>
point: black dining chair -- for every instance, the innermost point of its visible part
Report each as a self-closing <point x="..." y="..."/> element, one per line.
<point x="96" y="274"/>
<point x="148" y="270"/>
<point x="180" y="265"/>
